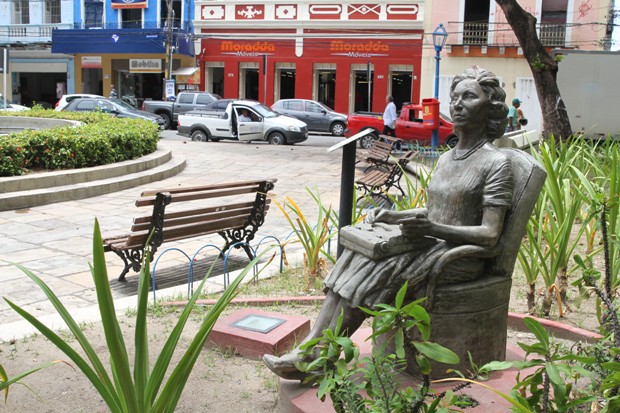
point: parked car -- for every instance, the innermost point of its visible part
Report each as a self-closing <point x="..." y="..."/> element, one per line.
<point x="11" y="107"/>
<point x="184" y="102"/>
<point x="65" y="99"/>
<point x="114" y="106"/>
<point x="409" y="127"/>
<point x="260" y="124"/>
<point x="318" y="117"/>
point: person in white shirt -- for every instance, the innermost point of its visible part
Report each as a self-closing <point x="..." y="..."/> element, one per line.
<point x="244" y="116"/>
<point x="389" y="117"/>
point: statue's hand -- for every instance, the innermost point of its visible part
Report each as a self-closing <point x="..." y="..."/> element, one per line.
<point x="416" y="226"/>
<point x="375" y="215"/>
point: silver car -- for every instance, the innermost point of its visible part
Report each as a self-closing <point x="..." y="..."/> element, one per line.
<point x="318" y="117"/>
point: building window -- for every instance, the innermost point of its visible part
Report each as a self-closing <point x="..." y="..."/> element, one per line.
<point x="52" y="11"/>
<point x="553" y="22"/>
<point x="93" y="13"/>
<point x="21" y="12"/>
<point x="176" y="15"/>
<point x="476" y="22"/>
<point x="132" y="18"/>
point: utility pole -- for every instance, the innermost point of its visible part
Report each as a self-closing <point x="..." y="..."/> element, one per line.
<point x="169" y="48"/>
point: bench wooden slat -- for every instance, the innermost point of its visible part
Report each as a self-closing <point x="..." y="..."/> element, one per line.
<point x="138" y="239"/>
<point x="191" y="216"/>
<point x="192" y="196"/>
<point x="203" y="188"/>
<point x="197" y="211"/>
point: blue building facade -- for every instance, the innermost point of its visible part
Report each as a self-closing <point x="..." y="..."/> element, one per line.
<point x="35" y="74"/>
<point x="124" y="43"/>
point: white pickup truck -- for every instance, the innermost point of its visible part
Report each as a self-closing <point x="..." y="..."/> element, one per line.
<point x="242" y="120"/>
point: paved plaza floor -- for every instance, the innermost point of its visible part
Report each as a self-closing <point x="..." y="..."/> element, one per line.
<point x="55" y="241"/>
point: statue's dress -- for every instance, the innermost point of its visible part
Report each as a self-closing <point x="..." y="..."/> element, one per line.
<point x="456" y="195"/>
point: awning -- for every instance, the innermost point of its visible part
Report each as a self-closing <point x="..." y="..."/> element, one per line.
<point x="184" y="71"/>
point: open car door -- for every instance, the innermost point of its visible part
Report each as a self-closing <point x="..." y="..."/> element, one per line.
<point x="248" y="130"/>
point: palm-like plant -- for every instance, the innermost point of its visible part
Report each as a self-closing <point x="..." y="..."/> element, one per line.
<point x="141" y="389"/>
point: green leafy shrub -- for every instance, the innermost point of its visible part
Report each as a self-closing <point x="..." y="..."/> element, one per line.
<point x="372" y="384"/>
<point x="99" y="141"/>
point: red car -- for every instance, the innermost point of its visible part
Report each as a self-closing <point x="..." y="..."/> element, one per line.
<point x="409" y="127"/>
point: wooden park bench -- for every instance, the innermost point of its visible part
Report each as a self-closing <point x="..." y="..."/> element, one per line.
<point x="377" y="183"/>
<point x="202" y="210"/>
<point x="377" y="156"/>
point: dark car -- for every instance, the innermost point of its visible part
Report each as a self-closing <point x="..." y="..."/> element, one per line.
<point x="318" y="117"/>
<point x="114" y="106"/>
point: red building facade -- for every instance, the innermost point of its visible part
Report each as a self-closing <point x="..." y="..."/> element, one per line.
<point x="348" y="56"/>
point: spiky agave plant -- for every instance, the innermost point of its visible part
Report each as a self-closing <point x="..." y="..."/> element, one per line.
<point x="143" y="388"/>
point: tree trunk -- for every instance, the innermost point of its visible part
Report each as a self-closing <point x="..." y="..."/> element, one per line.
<point x="544" y="70"/>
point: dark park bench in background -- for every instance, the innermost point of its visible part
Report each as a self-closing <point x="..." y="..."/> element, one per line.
<point x="377" y="183"/>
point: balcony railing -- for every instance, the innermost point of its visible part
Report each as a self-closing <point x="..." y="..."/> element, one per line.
<point x="552" y="34"/>
<point x="476" y="33"/>
<point x="133" y="24"/>
<point x="29" y="33"/>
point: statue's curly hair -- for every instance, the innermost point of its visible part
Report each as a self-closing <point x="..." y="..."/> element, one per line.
<point x="490" y="84"/>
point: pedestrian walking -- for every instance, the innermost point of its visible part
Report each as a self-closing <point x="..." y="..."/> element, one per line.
<point x="389" y="117"/>
<point x="113" y="93"/>
<point x="514" y="115"/>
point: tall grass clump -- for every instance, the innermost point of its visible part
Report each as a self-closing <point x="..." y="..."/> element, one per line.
<point x="551" y="236"/>
<point x="313" y="237"/>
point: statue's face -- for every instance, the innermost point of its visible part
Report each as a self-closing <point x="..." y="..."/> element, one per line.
<point x="469" y="105"/>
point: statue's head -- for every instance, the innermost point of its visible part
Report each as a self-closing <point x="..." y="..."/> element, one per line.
<point x="496" y="98"/>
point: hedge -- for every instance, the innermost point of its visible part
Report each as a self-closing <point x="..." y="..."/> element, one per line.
<point x="102" y="139"/>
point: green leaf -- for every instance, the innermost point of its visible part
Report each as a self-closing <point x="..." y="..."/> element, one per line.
<point x="437" y="352"/>
<point x="423" y="364"/>
<point x="399" y="344"/>
<point x="400" y="296"/>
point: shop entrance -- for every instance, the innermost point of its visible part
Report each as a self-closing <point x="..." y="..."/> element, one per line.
<point x="39" y="88"/>
<point x="285" y="81"/>
<point x="401" y="83"/>
<point x="362" y="84"/>
<point x="248" y="82"/>
<point x="214" y="79"/>
<point x="92" y="81"/>
<point x="134" y="88"/>
<point x="325" y="81"/>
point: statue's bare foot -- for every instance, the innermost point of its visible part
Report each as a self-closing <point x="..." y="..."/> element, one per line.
<point x="285" y="366"/>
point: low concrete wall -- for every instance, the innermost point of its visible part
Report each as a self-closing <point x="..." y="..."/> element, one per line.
<point x="17" y="123"/>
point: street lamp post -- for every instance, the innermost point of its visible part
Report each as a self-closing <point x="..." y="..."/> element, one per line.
<point x="439" y="40"/>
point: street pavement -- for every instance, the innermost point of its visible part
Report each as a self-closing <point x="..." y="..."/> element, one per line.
<point x="55" y="241"/>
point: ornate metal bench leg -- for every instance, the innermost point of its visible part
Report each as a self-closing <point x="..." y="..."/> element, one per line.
<point x="132" y="259"/>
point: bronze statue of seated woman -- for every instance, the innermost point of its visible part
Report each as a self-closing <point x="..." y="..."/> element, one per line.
<point x="468" y="199"/>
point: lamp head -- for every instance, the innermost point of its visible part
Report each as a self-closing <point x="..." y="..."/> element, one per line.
<point x="440" y="35"/>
